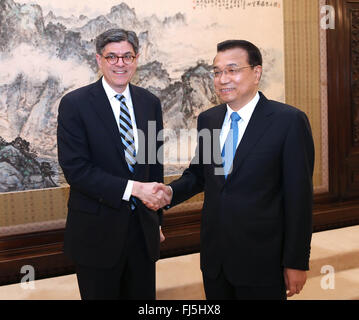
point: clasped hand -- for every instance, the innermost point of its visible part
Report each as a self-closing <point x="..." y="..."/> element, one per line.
<point x="154" y="195"/>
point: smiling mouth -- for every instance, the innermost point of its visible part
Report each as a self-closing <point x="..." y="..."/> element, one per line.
<point x="226" y="90"/>
<point x="119" y="72"/>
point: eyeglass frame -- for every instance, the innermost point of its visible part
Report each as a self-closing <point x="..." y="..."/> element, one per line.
<point x="225" y="70"/>
<point x="118" y="58"/>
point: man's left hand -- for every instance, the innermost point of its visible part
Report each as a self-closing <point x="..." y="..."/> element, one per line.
<point x="294" y="280"/>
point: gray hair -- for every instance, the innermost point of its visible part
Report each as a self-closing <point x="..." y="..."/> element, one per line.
<point x="116" y="35"/>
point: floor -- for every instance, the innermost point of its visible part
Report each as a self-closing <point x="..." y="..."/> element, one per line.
<point x="333" y="275"/>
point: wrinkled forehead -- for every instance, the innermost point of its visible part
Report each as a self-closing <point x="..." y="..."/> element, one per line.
<point x="230" y="57"/>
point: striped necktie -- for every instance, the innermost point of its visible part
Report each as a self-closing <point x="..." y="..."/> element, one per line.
<point x="230" y="145"/>
<point x="126" y="133"/>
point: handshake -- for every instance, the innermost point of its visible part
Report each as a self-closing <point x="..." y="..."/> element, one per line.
<point x="154" y="195"/>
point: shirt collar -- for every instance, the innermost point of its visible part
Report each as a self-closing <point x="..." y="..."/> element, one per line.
<point x="245" y="112"/>
<point x="111" y="93"/>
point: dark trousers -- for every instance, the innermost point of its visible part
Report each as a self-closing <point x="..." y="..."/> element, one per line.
<point x="221" y="289"/>
<point x="133" y="277"/>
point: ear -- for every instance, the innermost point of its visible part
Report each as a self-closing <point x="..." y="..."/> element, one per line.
<point x="98" y="59"/>
<point x="258" y="73"/>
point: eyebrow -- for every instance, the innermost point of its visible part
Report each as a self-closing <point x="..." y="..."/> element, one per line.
<point x="115" y="54"/>
<point x="228" y="65"/>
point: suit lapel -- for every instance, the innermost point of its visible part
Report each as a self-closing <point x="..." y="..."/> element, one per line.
<point x="140" y="110"/>
<point x="216" y="126"/>
<point x="141" y="118"/>
<point x="104" y="111"/>
<point x="258" y="124"/>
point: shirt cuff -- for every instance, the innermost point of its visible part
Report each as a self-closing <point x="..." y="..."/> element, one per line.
<point x="169" y="205"/>
<point x="128" y="191"/>
<point x="170" y="189"/>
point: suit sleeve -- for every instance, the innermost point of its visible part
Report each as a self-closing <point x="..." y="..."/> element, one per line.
<point x="298" y="164"/>
<point x="74" y="156"/>
<point x="192" y="180"/>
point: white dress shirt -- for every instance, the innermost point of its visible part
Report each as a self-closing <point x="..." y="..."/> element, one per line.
<point x="245" y="113"/>
<point x="116" y="108"/>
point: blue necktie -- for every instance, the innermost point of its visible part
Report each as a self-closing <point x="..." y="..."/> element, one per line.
<point x="126" y="133"/>
<point x="230" y="145"/>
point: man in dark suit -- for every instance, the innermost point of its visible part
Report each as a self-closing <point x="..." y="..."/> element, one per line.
<point x="103" y="151"/>
<point x="256" y="174"/>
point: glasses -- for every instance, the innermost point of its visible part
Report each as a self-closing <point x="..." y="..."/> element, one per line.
<point x="231" y="71"/>
<point x="126" y="59"/>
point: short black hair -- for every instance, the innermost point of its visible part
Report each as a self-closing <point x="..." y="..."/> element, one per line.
<point x="254" y="54"/>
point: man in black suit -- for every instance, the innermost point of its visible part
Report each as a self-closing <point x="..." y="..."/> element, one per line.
<point x="256" y="174"/>
<point x="103" y="150"/>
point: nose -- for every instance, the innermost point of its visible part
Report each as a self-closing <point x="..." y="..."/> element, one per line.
<point x="120" y="62"/>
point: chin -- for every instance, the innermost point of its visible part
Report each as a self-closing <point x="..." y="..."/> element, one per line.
<point x="226" y="100"/>
<point x="226" y="97"/>
<point x="120" y="85"/>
